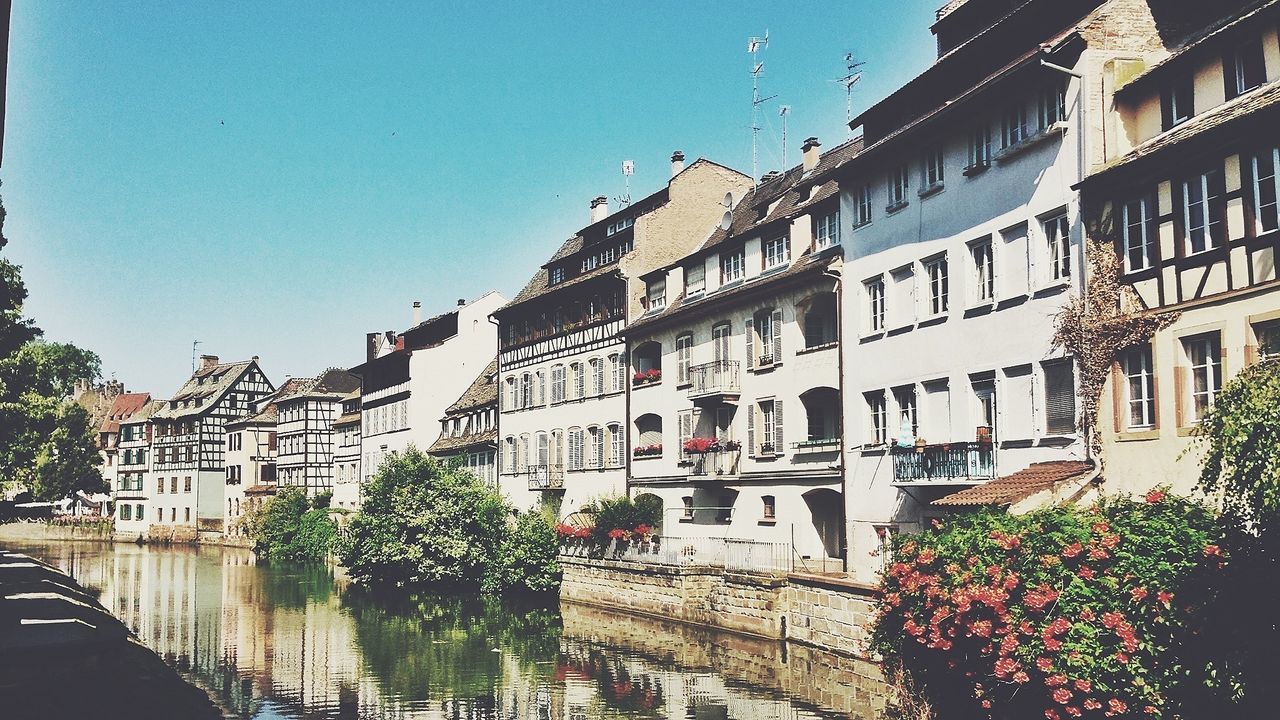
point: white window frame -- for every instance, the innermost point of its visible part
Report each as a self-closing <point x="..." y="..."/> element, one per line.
<point x="983" y="259"/>
<point x="776" y="251"/>
<point x="733" y="266"/>
<point x="658" y="294"/>
<point x="694" y="286"/>
<point x="1259" y="184"/>
<point x="1057" y="238"/>
<point x="1139" y="388"/>
<point x="1200" y="183"/>
<point x="898" y="186"/>
<point x="1137" y="227"/>
<point x="862" y="206"/>
<point x="939" y="284"/>
<point x="1053" y="105"/>
<point x="1210" y="369"/>
<point x="934" y="168"/>
<point x="875" y="293"/>
<point x="979" y="147"/>
<point x="827" y="230"/>
<point x="878" y="415"/>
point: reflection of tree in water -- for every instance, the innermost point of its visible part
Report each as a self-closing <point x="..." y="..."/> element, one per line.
<point x="284" y="585"/>
<point x="619" y="688"/>
<point x="441" y="648"/>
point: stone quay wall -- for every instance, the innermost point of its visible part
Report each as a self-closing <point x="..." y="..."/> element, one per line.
<point x="824" y="612"/>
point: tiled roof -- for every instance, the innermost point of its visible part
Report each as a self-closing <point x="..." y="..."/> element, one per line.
<point x="1249" y="13"/>
<point x="334" y="383"/>
<point x="144" y="413"/>
<point x="1251" y="103"/>
<point x="483" y="391"/>
<point x="463" y="442"/>
<point x="206" y="386"/>
<point x="348" y="419"/>
<point x="267" y="412"/>
<point x="1012" y="488"/>
<point x="122" y="407"/>
<point x="260" y="490"/>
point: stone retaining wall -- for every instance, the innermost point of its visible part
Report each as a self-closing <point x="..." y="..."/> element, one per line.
<point x="38" y="532"/>
<point x="830" y="613"/>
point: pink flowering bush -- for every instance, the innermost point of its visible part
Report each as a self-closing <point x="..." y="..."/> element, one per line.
<point x="1063" y="613"/>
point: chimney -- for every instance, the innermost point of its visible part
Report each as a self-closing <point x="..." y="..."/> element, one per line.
<point x="462" y="302"/>
<point x="371" y="346"/>
<point x="417" y="313"/>
<point x="770" y="176"/>
<point x="677" y="163"/>
<point x="255" y="358"/>
<point x="208" y="361"/>
<point x="812" y="153"/>
<point x="599" y="209"/>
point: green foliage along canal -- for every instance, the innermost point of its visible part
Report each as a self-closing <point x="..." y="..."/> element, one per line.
<point x="284" y="642"/>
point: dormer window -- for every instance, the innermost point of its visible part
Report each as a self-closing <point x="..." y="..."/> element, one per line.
<point x="557" y="275"/>
<point x="732" y="265"/>
<point x="1177" y="103"/>
<point x="657" y="294"/>
<point x="695" y="278"/>
<point x="590" y="263"/>
<point x="777" y="252"/>
<point x="1053" y="105"/>
<point x="619" y="226"/>
<point x="1245" y="69"/>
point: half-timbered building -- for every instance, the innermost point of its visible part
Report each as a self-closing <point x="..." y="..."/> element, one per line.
<point x="563" y="370"/>
<point x="346" y="453"/>
<point x="1186" y="199"/>
<point x="469" y="428"/>
<point x="132" y="489"/>
<point x="304" y="430"/>
<point x="738" y="431"/>
<point x="189" y="444"/>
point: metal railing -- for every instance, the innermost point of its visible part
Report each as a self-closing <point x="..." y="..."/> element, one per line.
<point x="951" y="461"/>
<point x="545" y="477"/>
<point x="714" y="378"/>
<point x="718" y="462"/>
<point x="732" y="554"/>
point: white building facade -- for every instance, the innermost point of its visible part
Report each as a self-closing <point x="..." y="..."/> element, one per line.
<point x="346" y="453"/>
<point x="469" y="428"/>
<point x="132" y="470"/>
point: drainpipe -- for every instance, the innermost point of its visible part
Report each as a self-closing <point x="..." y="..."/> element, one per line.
<point x="844" y="465"/>
<point x="497" y="416"/>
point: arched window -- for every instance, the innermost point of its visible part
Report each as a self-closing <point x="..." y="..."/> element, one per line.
<point x="647" y="361"/>
<point x="577" y="442"/>
<point x="522" y="455"/>
<point x="509" y="455"/>
<point x="557" y="384"/>
<point x="577" y="381"/>
<point x="617" y="372"/>
<point x="764" y="338"/>
<point x="648" y="435"/>
<point x="595" y="447"/>
<point x="820" y="321"/>
<point x="555" y="453"/>
<point x="542" y="388"/>
<point x="544" y="450"/>
<point x="526" y="390"/>
<point x="822" y="413"/>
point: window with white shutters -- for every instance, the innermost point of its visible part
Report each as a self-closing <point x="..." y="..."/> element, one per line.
<point x="576" y="442"/>
<point x="878" y="414"/>
<point x="508" y="455"/>
<point x="542" y="388"/>
<point x="984" y="271"/>
<point x="905" y="397"/>
<point x="597" y="376"/>
<point x="557" y="384"/>
<point x="684" y="349"/>
<point x="939" y="285"/>
<point x="720" y="335"/>
<point x="1060" y="397"/>
<point x="526" y="390"/>
<point x="775" y="321"/>
<point x="555" y="454"/>
<point x="618" y="371"/>
<point x="1057" y="235"/>
<point x="544" y="450"/>
<point x="875" y="304"/>
<point x="686" y="430"/>
<point x="615" y="445"/>
<point x="522" y="455"/>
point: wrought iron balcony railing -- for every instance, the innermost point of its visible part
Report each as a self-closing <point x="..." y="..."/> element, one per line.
<point x="715" y="463"/>
<point x="950" y="462"/>
<point x="545" y="477"/>
<point x="715" y="381"/>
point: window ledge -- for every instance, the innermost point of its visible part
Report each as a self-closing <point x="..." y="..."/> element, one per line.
<point x="650" y="383"/>
<point x="1189" y="430"/>
<point x="683" y="385"/>
<point x="895" y="207"/>
<point x="979" y="309"/>
<point x="1056" y="439"/>
<point x="1138" y="435"/>
<point x="874" y="449"/>
<point x="933" y="320"/>
<point x="976" y="169"/>
<point x="818" y="348"/>
<point x="859" y="226"/>
<point x="1055" y="130"/>
<point x="764" y="368"/>
<point x="1052" y="287"/>
<point x="871" y="336"/>
<point x="646" y="457"/>
<point x="1012" y="300"/>
<point x="767" y="521"/>
<point x="933" y="189"/>
<point x="901" y="328"/>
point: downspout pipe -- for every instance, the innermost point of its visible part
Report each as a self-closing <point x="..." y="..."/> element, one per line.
<point x="844" y="465"/>
<point x="497" y="420"/>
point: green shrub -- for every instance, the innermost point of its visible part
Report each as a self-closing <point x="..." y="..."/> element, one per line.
<point x="527" y="562"/>
<point x="286" y="529"/>
<point x="322" y="500"/>
<point x="623" y="513"/>
<point x="1057" y="614"/>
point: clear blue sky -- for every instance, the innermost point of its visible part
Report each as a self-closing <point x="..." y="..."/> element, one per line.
<point x="277" y="179"/>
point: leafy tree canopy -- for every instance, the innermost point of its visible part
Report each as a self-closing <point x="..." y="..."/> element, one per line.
<point x="1241" y="436"/>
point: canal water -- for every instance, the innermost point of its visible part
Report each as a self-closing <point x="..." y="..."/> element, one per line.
<point x="272" y="642"/>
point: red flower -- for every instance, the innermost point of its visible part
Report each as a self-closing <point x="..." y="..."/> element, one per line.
<point x="1155" y="496"/>
<point x="1083" y="685"/>
<point x="1062" y="696"/>
<point x="1138" y="593"/>
<point x="1150" y="710"/>
<point x="1086" y="614"/>
<point x="642" y="529"/>
<point x="926" y="556"/>
<point x="1020" y="677"/>
<point x="1086" y="573"/>
<point x="1122" y="657"/>
<point x="1072" y="550"/>
<point x="1054" y="681"/>
<point x="1212" y="550"/>
<point x="1164" y="596"/>
<point x="1100" y="527"/>
<point x="1111" y="541"/>
<point x="1098" y="554"/>
<point x="986" y="704"/>
<point x="1091" y="704"/>
<point x="1044" y="664"/>
<point x="1073" y="711"/>
<point x="1116" y="706"/>
<point x="1052" y="714"/>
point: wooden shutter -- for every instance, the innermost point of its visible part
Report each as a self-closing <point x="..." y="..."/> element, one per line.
<point x="777" y="427"/>
<point x="749" y="332"/>
<point x="1060" y="397"/>
<point x="686" y="429"/>
<point x="581" y="382"/>
<point x="751" y="430"/>
<point x="1118" y="408"/>
<point x="777" y="335"/>
<point x="1179" y="394"/>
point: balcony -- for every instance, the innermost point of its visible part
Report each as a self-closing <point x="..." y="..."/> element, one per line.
<point x="715" y="382"/>
<point x="545" y="477"/>
<point x="957" y="463"/>
<point x="716" y="463"/>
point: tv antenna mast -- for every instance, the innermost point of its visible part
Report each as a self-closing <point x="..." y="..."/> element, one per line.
<point x="784" y="111"/>
<point x="628" y="169"/>
<point x="754" y="45"/>
<point x="851" y="77"/>
<point x="194" y="345"/>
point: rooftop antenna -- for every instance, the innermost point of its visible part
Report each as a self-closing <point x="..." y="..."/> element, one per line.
<point x="628" y="169"/>
<point x="194" y="345"/>
<point x="784" y="111"/>
<point x="754" y="45"/>
<point x="851" y="78"/>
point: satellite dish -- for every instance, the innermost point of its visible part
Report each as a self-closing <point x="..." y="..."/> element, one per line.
<point x="726" y="220"/>
<point x="728" y="200"/>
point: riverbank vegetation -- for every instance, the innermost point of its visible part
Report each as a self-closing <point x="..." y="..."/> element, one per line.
<point x="1157" y="607"/>
<point x="432" y="525"/>
<point x="290" y="528"/>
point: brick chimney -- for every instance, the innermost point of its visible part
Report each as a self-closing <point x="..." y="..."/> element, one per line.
<point x="812" y="153"/>
<point x="599" y="208"/>
<point x="677" y="163"/>
<point x="207" y="362"/>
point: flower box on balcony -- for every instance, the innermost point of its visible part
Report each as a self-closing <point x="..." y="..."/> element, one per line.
<point x="646" y="377"/>
<point x="647" y="451"/>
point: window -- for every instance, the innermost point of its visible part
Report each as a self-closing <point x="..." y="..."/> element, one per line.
<point x="1202" y="211"/>
<point x="526" y="391"/>
<point x="1266" y="187"/>
<point x="938" y="285"/>
<point x="173" y="485"/>
<point x="522" y="454"/>
<point x="1060" y="397"/>
<point x="905" y="397"/>
<point x="595" y="448"/>
<point x="984" y="271"/>
<point x="509" y="455"/>
<point x="769" y="511"/>
<point x="138" y="515"/>
<point x="126" y="512"/>
<point x="875" y="304"/>
<point x="615" y="445"/>
<point x="731" y="266"/>
<point x="1267" y="335"/>
<point x="766" y="328"/>
<point x="1137" y="228"/>
<point x="557" y="384"/>
<point x="879" y="416"/>
<point x="1139" y="387"/>
<point x="826" y="230"/>
<point x="984" y="395"/>
<point x="649" y="433"/>
<point x="684" y="349"/>
<point x="541" y="376"/>
<point x="822" y="414"/>
<point x="578" y="379"/>
<point x="777" y="251"/>
<point x="695" y="278"/>
<point x="862" y="207"/>
<point x="1013" y="125"/>
<point x="1177" y="103"/>
<point x="557" y="275"/>
<point x="904" y="296"/>
<point x="899" y="184"/>
<point x="1245" y="69"/>
<point x="1204" y="356"/>
<point x="1057" y="235"/>
<point x="1053" y="105"/>
<point x="979" y="147"/>
<point x="770" y="427"/>
<point x="597" y="376"/>
<point x="820" y="326"/>
<point x="933" y="168"/>
<point x="687" y="503"/>
<point x="618" y="365"/>
<point x="657" y="294"/>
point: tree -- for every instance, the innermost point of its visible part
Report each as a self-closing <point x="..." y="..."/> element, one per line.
<point x="1241" y="436"/>
<point x="288" y="529"/>
<point x="528" y="559"/>
<point x="15" y="331"/>
<point x="66" y="460"/>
